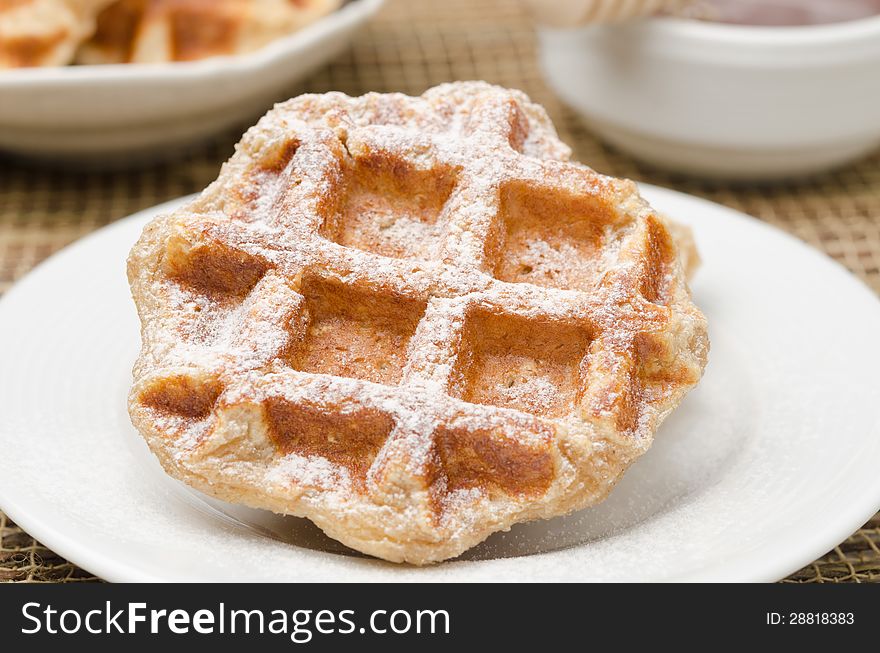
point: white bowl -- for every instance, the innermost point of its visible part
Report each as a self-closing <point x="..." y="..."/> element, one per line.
<point x="724" y="100"/>
<point x="131" y="111"/>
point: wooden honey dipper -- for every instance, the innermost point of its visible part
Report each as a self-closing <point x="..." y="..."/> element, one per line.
<point x="572" y="13"/>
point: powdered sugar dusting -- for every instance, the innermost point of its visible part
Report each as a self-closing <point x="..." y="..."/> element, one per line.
<point x="291" y="224"/>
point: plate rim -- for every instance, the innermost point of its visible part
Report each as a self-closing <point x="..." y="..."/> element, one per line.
<point x="744" y="567"/>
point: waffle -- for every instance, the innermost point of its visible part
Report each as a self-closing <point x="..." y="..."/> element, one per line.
<point x="44" y="32"/>
<point x="411" y="320"/>
<point x="151" y="31"/>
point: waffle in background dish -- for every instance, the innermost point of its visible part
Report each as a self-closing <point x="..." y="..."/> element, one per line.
<point x="44" y="32"/>
<point x="153" y="31"/>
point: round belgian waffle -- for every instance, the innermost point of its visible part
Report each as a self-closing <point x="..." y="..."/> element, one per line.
<point x="411" y="320"/>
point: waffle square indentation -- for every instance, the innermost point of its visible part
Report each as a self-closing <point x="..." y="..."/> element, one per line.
<point x="349" y="439"/>
<point x="514" y="362"/>
<point x="551" y="239"/>
<point x="355" y="332"/>
<point x="391" y="209"/>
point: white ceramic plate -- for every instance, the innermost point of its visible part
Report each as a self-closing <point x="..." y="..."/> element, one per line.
<point x="768" y="464"/>
<point x="116" y="113"/>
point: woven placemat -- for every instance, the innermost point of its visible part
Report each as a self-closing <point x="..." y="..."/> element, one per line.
<point x="409" y="47"/>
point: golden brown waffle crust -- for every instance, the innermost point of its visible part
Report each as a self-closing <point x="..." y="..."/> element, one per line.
<point x="500" y="351"/>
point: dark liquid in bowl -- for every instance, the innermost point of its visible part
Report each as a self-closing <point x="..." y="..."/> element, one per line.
<point x="782" y="13"/>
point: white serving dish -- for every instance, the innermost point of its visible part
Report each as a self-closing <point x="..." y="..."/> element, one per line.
<point x="721" y="100"/>
<point x="126" y="112"/>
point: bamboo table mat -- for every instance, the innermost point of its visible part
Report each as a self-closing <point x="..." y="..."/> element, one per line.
<point x="410" y="46"/>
